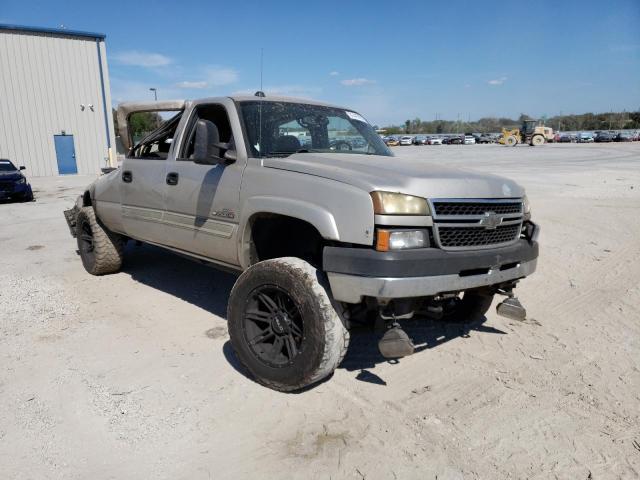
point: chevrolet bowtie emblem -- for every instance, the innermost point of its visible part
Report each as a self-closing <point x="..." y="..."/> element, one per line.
<point x="491" y="220"/>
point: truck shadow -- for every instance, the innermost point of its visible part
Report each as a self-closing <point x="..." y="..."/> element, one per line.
<point x="425" y="333"/>
<point x="196" y="283"/>
<point x="209" y="288"/>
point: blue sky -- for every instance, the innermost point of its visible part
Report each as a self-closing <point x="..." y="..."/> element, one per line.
<point x="389" y="61"/>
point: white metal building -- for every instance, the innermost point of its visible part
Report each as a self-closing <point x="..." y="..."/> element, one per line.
<point x="55" y="101"/>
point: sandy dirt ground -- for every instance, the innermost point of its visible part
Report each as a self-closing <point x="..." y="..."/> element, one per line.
<point x="131" y="376"/>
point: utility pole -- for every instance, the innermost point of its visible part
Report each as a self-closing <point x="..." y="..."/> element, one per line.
<point x="155" y="93"/>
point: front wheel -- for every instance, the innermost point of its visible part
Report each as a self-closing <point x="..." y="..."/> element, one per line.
<point x="511" y="141"/>
<point x="537" y="140"/>
<point x="283" y="325"/>
<point x="471" y="307"/>
<point x="100" y="249"/>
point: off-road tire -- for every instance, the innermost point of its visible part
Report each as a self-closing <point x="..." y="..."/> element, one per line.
<point x="511" y="141"/>
<point x="107" y="247"/>
<point x="325" y="338"/>
<point x="472" y="307"/>
<point x="537" y="140"/>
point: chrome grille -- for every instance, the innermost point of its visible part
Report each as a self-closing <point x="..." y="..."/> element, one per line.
<point x="465" y="224"/>
<point x="476" y="208"/>
<point x="462" y="237"/>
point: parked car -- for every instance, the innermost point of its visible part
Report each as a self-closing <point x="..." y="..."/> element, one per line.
<point x="585" y="137"/>
<point x="469" y="140"/>
<point x="13" y="183"/>
<point x="320" y="238"/>
<point x="567" y="138"/>
<point x="420" y="140"/>
<point x="406" y="140"/>
<point x="603" y="137"/>
<point x="623" y="137"/>
<point x="485" y="138"/>
<point x="456" y="140"/>
<point x="435" y="141"/>
<point x="392" y="142"/>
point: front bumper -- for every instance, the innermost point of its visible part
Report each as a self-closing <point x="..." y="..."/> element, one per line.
<point x="355" y="273"/>
<point x="15" y="190"/>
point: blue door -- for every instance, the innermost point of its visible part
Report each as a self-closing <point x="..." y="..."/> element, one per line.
<point x="66" y="154"/>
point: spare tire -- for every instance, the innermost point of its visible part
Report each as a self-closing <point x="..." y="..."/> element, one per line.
<point x="284" y="326"/>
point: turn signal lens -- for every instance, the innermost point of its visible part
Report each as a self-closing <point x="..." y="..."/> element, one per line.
<point x="382" y="242"/>
<point x="390" y="203"/>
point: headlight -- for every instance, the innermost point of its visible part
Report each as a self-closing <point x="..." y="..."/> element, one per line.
<point x="401" y="239"/>
<point x="389" y="203"/>
<point x="21" y="181"/>
<point x="526" y="208"/>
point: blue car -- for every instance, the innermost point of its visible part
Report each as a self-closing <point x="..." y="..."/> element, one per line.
<point x="13" y="184"/>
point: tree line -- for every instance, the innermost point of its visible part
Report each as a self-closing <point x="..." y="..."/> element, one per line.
<point x="585" y="121"/>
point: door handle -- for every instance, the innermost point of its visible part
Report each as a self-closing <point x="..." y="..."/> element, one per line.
<point x="127" y="177"/>
<point x="172" y="178"/>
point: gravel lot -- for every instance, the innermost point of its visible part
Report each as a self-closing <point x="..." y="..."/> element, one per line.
<point x="132" y="375"/>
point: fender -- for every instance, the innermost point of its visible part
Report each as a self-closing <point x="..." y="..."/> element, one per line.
<point x="311" y="213"/>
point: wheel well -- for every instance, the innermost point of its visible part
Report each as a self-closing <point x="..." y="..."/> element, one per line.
<point x="274" y="236"/>
<point x="86" y="199"/>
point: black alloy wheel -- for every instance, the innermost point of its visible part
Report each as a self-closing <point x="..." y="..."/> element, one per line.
<point x="273" y="326"/>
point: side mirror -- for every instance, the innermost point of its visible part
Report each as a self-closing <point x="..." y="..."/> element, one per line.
<point x="22" y="167"/>
<point x="230" y="156"/>
<point x="205" y="149"/>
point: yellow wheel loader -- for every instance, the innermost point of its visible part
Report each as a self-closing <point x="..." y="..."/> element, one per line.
<point x="530" y="133"/>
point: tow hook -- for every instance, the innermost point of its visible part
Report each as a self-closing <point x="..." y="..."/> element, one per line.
<point x="511" y="307"/>
<point x="395" y="343"/>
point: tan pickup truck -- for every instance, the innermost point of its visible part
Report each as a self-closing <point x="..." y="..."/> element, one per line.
<point x="322" y="223"/>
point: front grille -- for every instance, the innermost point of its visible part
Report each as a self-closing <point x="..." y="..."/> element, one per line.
<point x="476" y="208"/>
<point x="469" y="237"/>
<point x="466" y="224"/>
<point x="6" y="186"/>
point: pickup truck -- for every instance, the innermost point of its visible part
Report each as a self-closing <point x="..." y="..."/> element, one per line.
<point x="323" y="235"/>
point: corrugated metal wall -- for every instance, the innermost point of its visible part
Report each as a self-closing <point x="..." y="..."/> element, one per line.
<point x="44" y="79"/>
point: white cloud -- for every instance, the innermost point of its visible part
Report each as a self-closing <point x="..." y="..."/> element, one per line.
<point x="142" y="59"/>
<point x="497" y="81"/>
<point x="213" y="76"/>
<point x="126" y="90"/>
<point x="195" y="85"/>
<point x="217" y="76"/>
<point x="334" y="73"/>
<point x="356" y="82"/>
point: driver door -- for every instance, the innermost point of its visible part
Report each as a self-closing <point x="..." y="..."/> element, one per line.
<point x="201" y="202"/>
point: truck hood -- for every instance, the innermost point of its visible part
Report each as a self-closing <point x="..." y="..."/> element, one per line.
<point x="392" y="174"/>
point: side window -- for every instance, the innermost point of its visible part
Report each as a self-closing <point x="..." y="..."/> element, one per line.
<point x="152" y="134"/>
<point x="214" y="113"/>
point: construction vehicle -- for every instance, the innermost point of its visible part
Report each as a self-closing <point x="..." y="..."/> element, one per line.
<point x="530" y="133"/>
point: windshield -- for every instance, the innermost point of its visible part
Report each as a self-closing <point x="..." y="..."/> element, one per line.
<point x="7" y="166"/>
<point x="278" y="129"/>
